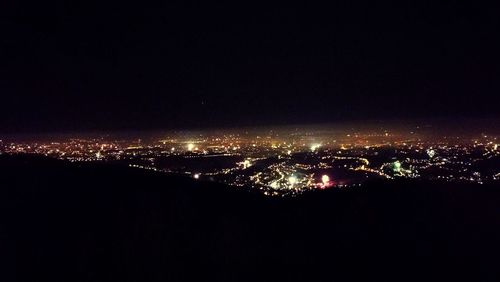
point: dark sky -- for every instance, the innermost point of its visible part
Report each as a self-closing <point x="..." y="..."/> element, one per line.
<point x="70" y="66"/>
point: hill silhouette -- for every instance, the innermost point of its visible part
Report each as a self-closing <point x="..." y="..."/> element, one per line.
<point x="62" y="221"/>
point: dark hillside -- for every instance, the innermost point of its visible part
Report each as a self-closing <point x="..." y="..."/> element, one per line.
<point x="66" y="222"/>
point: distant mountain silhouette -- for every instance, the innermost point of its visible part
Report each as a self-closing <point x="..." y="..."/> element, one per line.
<point x="63" y="221"/>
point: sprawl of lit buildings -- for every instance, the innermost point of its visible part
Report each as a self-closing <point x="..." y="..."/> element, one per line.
<point x="287" y="162"/>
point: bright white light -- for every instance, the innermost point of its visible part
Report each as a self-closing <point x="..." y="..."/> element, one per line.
<point x="289" y="152"/>
<point x="247" y="164"/>
<point x="196" y="176"/>
<point x="274" y="185"/>
<point x="292" y="180"/>
<point x="325" y="179"/>
<point x="431" y="153"/>
<point x="396" y="166"/>
<point x="314" y="147"/>
<point x="190" y="146"/>
<point x="173" y="149"/>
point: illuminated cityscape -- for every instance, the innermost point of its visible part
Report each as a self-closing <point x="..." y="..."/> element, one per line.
<point x="287" y="162"/>
<point x="232" y="141"/>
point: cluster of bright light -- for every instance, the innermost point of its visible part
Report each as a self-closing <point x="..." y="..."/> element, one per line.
<point x="325" y="179"/>
<point x="396" y="167"/>
<point x="431" y="153"/>
<point x="286" y="173"/>
<point x="247" y="164"/>
<point x="314" y="147"/>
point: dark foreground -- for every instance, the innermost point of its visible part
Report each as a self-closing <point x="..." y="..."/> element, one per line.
<point x="63" y="222"/>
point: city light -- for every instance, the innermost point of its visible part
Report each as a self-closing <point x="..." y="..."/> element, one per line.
<point x="431" y="153"/>
<point x="325" y="179"/>
<point x="245" y="164"/>
<point x="314" y="147"/>
<point x="288" y="168"/>
<point x="396" y="166"/>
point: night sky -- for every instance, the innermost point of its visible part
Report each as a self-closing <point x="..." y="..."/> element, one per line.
<point x="70" y="66"/>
